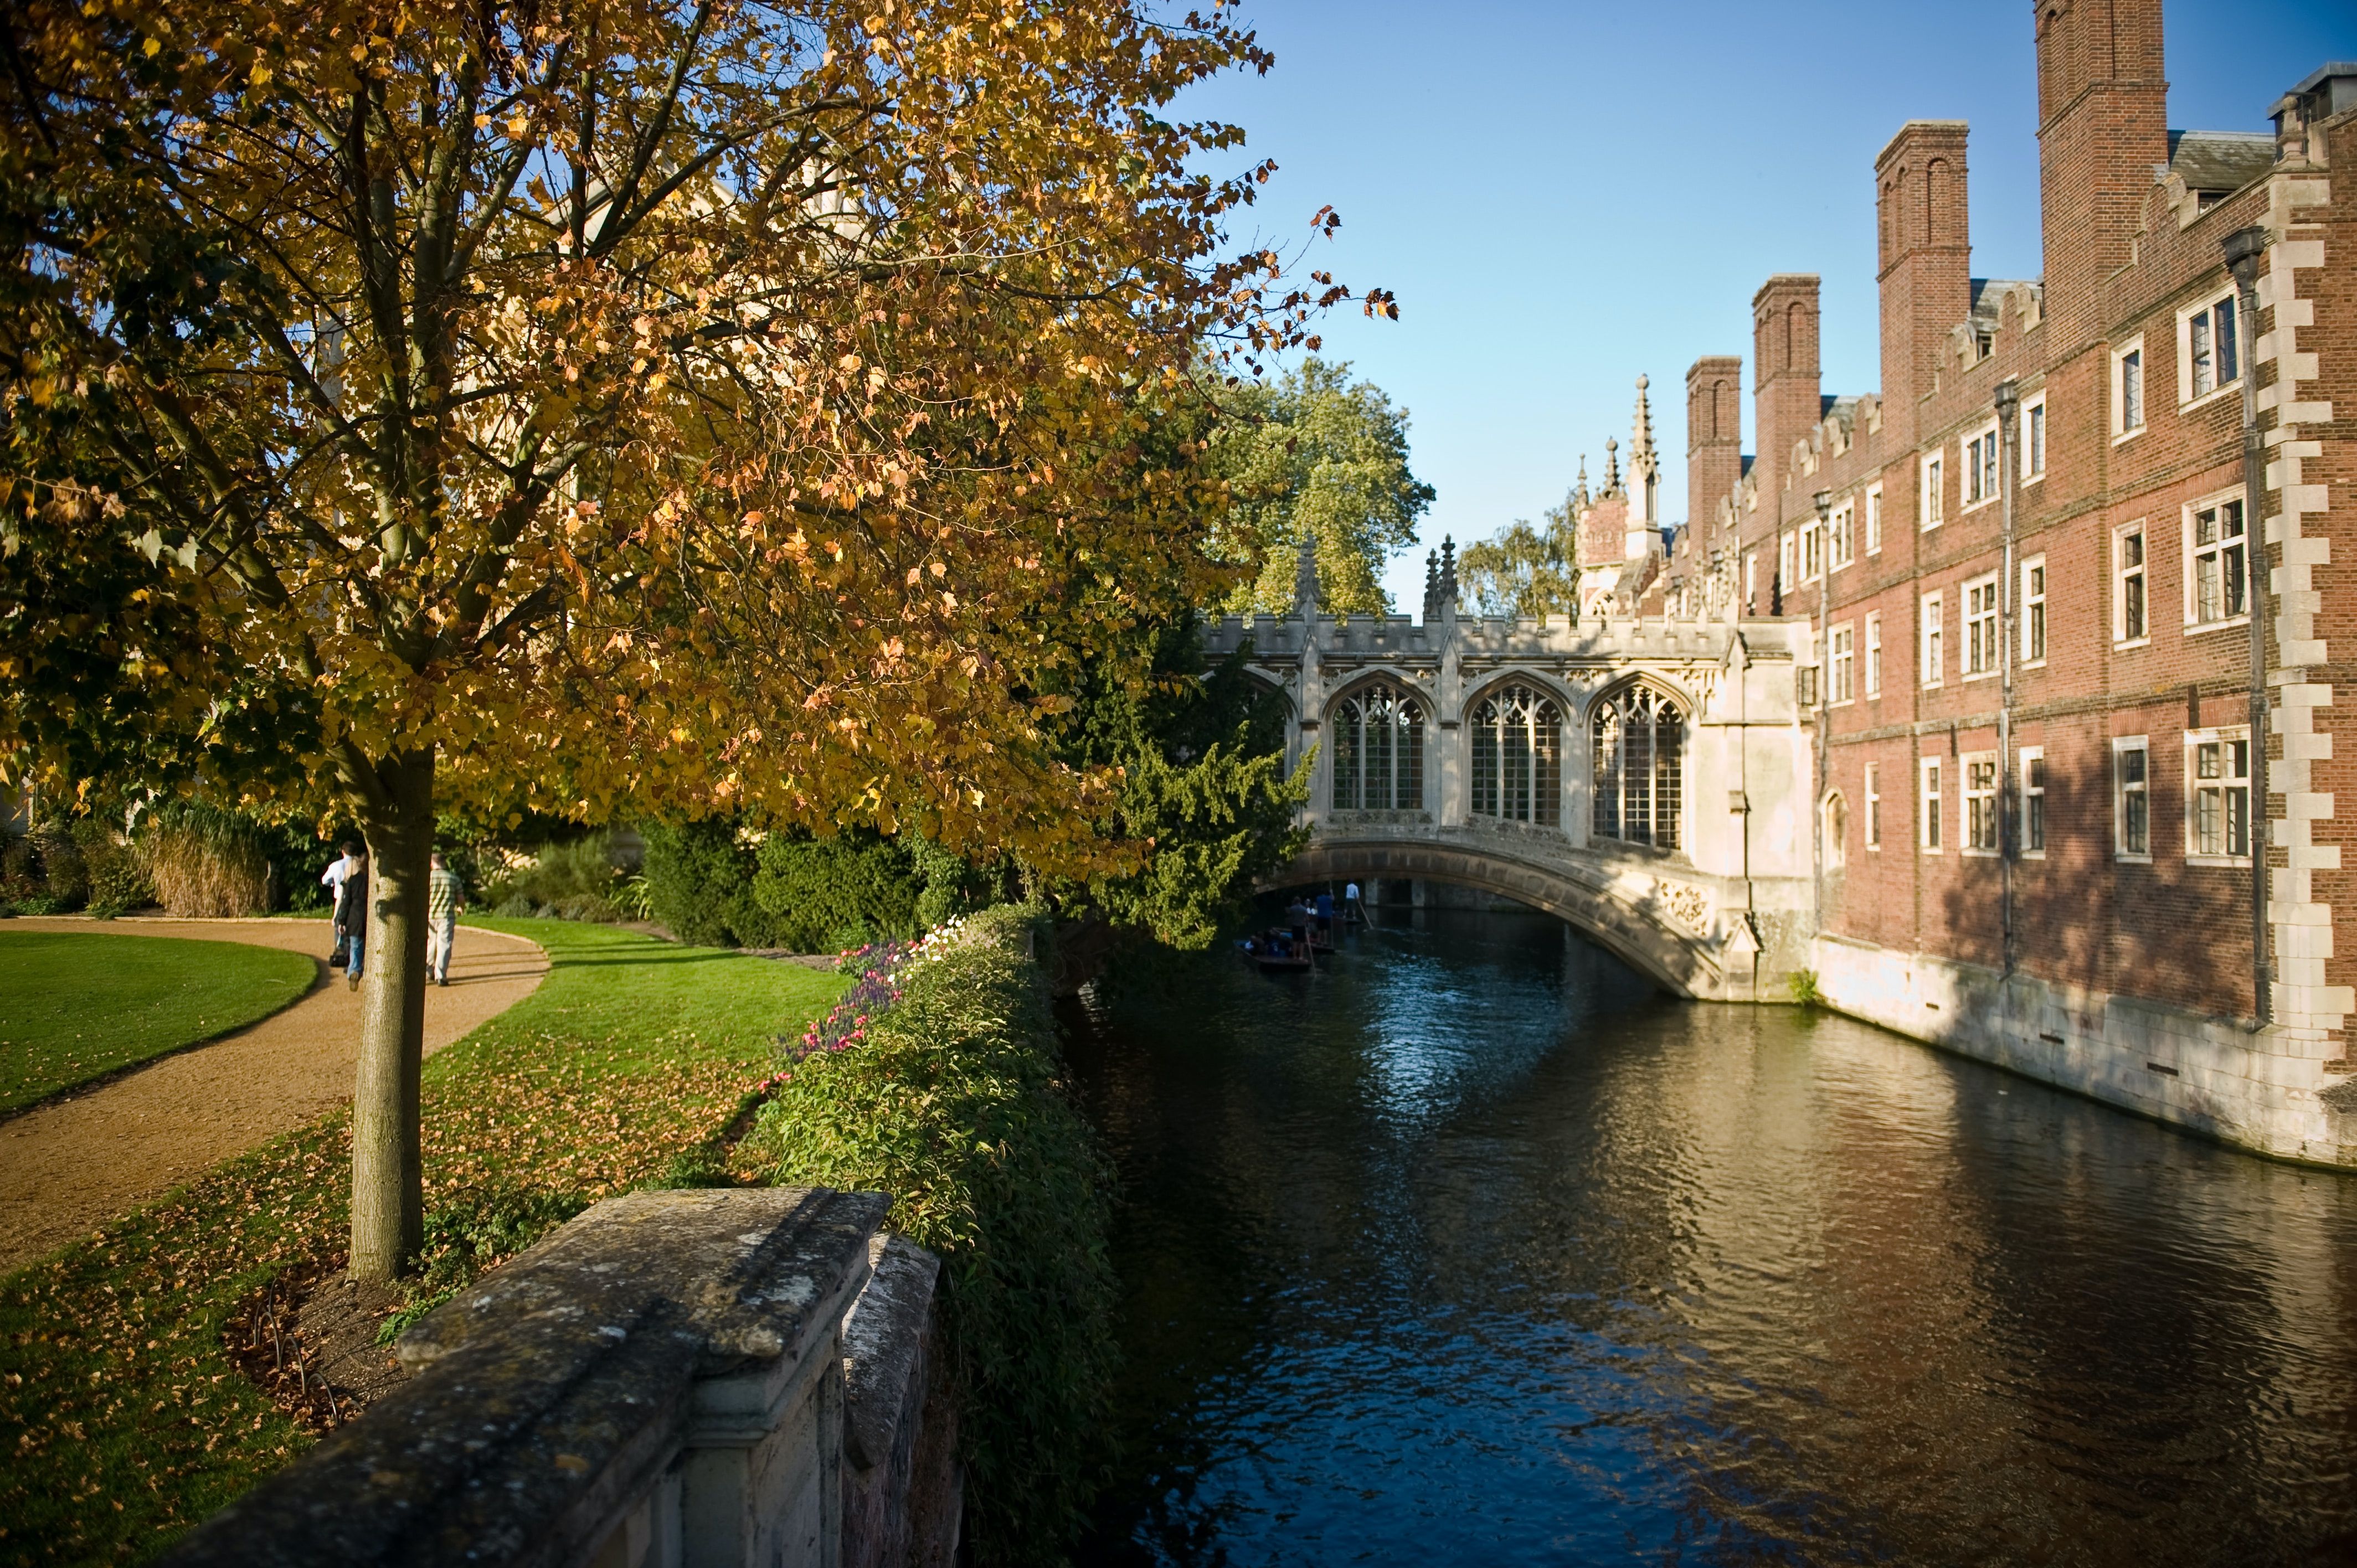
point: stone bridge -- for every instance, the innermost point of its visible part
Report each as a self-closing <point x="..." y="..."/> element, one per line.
<point x="1647" y="781"/>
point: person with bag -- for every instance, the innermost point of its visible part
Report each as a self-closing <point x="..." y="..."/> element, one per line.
<point x="351" y="916"/>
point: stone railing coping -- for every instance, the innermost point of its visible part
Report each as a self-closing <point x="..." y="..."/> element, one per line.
<point x="554" y="1390"/>
<point x="882" y="1340"/>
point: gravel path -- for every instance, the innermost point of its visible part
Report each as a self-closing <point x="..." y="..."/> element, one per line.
<point x="72" y="1164"/>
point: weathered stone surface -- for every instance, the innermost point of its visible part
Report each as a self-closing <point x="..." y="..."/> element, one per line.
<point x="902" y="1496"/>
<point x="552" y="1402"/>
<point x="882" y="1344"/>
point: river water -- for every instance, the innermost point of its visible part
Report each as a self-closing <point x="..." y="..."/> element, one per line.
<point x="1472" y="1248"/>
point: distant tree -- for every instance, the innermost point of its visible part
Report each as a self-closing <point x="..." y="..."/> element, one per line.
<point x="1314" y="452"/>
<point x="1524" y="571"/>
<point x="708" y="404"/>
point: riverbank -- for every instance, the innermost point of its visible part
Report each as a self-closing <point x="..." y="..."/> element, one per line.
<point x="123" y="1420"/>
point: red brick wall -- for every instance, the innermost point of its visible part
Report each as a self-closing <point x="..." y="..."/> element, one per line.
<point x="2118" y="265"/>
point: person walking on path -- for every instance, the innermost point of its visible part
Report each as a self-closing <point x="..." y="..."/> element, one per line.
<point x="446" y="900"/>
<point x="352" y="916"/>
<point x="332" y="879"/>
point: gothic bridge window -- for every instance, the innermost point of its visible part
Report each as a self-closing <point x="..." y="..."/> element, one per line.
<point x="1640" y="737"/>
<point x="1378" y="750"/>
<point x="1518" y="756"/>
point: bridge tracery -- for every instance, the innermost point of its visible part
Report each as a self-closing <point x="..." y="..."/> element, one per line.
<point x="1378" y="738"/>
<point x="1518" y="755"/>
<point x="1638" y="780"/>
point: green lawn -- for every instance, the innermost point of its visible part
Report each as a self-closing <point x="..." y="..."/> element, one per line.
<point x="74" y="1007"/>
<point x="123" y="1423"/>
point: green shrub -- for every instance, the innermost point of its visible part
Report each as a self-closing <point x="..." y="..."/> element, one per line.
<point x="1804" y="986"/>
<point x="118" y="876"/>
<point x="571" y="881"/>
<point x="42" y="872"/>
<point x="700" y="884"/>
<point x="828" y="895"/>
<point x="952" y="1105"/>
<point x="713" y="888"/>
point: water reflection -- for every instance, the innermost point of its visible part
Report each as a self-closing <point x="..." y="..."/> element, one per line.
<point x="1471" y="1245"/>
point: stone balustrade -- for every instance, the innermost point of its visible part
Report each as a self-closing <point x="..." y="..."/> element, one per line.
<point x="674" y="1380"/>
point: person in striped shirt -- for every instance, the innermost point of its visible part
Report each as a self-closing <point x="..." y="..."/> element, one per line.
<point x="445" y="900"/>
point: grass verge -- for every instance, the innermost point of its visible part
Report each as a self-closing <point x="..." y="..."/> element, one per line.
<point x="122" y="1420"/>
<point x="76" y="1007"/>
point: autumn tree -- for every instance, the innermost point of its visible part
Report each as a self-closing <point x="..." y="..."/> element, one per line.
<point x="585" y="404"/>
<point x="1316" y="452"/>
<point x="1524" y="571"/>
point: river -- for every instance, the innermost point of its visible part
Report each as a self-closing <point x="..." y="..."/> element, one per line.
<point x="1473" y="1247"/>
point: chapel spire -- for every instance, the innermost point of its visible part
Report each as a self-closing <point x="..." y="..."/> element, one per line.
<point x="1644" y="463"/>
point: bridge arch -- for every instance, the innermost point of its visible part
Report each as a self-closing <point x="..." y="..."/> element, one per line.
<point x="1659" y="920"/>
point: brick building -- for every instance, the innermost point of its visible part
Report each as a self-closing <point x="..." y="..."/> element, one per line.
<point x="2027" y="655"/>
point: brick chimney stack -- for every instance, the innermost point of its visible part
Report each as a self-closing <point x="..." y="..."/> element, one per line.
<point x="1714" y="435"/>
<point x="1784" y="365"/>
<point x="2103" y="125"/>
<point x="1926" y="259"/>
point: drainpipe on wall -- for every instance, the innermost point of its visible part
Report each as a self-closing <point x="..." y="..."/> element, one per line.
<point x="1823" y="653"/>
<point x="2009" y="417"/>
<point x="2243" y="248"/>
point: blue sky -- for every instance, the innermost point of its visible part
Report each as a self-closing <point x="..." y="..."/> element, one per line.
<point x="1565" y="196"/>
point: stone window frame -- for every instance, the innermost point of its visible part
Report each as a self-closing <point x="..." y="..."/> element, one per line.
<point x="1841" y="665"/>
<point x="1979" y="788"/>
<point x="1980" y="628"/>
<point x="2130" y="795"/>
<point x="2192" y="553"/>
<point x="2036" y="436"/>
<point x="1874" y="520"/>
<point x="2128" y="387"/>
<point x="1618" y="700"/>
<point x="1930" y="640"/>
<point x="1930" y="791"/>
<point x="1983" y="464"/>
<point x="1833" y="829"/>
<point x="2124" y="573"/>
<point x="2227" y="738"/>
<point x="2036" y="632"/>
<point x="1399" y="758"/>
<point x="1931" y="488"/>
<point x="1870" y="656"/>
<point x="1543" y="764"/>
<point x="2209" y="306"/>
<point x="1841" y="537"/>
<point x="2031" y="793"/>
<point x="1873" y="793"/>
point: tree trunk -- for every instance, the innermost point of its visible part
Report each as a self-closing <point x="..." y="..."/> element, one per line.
<point x="388" y="1178"/>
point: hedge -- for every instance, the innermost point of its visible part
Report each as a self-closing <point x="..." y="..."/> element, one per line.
<point x="952" y="1103"/>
